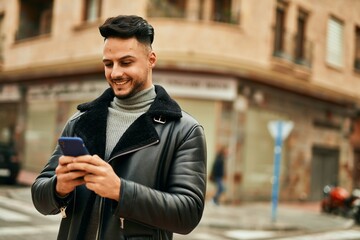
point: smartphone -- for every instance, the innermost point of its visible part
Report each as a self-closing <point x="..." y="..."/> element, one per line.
<point x="72" y="146"/>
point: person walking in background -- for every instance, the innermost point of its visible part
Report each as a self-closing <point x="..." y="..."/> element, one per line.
<point x="218" y="173"/>
<point x="145" y="175"/>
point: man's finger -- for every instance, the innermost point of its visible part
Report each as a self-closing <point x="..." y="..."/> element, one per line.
<point x="93" y="160"/>
<point x="64" y="160"/>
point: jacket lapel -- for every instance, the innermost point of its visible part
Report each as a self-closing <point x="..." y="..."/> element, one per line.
<point x="91" y="126"/>
<point x="140" y="133"/>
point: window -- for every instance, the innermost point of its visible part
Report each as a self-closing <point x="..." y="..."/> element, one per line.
<point x="279" y="31"/>
<point x="222" y="11"/>
<point x="357" y="48"/>
<point x="335" y="42"/>
<point x="35" y="18"/>
<point x="92" y="10"/>
<point x="300" y="39"/>
<point x="167" y="8"/>
<point x="2" y="38"/>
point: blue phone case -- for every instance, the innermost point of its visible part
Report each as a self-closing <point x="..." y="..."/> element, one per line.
<point x="72" y="146"/>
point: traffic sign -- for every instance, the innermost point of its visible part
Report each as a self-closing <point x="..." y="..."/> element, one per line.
<point x="279" y="130"/>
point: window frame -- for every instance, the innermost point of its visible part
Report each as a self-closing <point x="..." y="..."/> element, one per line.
<point x="87" y="16"/>
<point x="357" y="48"/>
<point x="40" y="18"/>
<point x="279" y="28"/>
<point x="225" y="13"/>
<point x="2" y="36"/>
<point x="302" y="21"/>
<point x="335" y="42"/>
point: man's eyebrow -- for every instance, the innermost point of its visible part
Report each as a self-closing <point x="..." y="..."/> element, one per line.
<point x="122" y="58"/>
<point x="126" y="57"/>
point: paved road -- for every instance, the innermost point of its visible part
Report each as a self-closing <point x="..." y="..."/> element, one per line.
<point x="19" y="221"/>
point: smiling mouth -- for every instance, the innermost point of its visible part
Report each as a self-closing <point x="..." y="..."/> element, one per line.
<point x="120" y="81"/>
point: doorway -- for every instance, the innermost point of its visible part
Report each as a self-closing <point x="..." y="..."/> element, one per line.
<point x="356" y="171"/>
<point x="324" y="170"/>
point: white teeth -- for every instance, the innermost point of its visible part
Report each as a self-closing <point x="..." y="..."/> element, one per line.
<point x="120" y="82"/>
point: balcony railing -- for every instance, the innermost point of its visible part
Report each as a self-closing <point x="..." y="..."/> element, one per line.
<point x="289" y="47"/>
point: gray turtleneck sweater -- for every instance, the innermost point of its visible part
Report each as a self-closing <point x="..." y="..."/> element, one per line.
<point x="123" y="112"/>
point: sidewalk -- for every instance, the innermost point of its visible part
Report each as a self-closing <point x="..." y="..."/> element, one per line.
<point x="291" y="217"/>
<point x="297" y="217"/>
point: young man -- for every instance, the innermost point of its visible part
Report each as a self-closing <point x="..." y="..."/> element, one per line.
<point x="145" y="176"/>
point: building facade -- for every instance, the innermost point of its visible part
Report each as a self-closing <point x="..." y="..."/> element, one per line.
<point x="236" y="65"/>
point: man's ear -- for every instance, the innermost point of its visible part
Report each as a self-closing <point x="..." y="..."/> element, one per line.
<point x="152" y="59"/>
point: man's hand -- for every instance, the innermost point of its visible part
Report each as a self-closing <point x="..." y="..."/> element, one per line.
<point x="67" y="180"/>
<point x="99" y="175"/>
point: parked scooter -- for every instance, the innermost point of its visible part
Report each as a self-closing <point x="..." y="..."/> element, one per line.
<point x="339" y="201"/>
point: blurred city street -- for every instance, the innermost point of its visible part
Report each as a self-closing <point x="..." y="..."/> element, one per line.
<point x="275" y="83"/>
<point x="19" y="220"/>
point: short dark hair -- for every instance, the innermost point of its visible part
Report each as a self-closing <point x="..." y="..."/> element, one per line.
<point x="128" y="26"/>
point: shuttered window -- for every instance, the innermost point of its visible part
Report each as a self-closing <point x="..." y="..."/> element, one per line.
<point x="335" y="43"/>
<point x="92" y="10"/>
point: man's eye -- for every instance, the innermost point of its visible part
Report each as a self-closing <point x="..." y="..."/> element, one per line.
<point x="125" y="63"/>
<point x="108" y="64"/>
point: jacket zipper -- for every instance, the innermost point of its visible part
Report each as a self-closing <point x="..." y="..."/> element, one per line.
<point x="65" y="205"/>
<point x="134" y="150"/>
<point x="63" y="211"/>
<point x="100" y="215"/>
<point x="101" y="200"/>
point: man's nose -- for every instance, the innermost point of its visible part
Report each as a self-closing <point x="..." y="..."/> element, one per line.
<point x="117" y="72"/>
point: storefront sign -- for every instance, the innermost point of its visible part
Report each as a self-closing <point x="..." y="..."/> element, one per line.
<point x="9" y="93"/>
<point x="67" y="91"/>
<point x="198" y="86"/>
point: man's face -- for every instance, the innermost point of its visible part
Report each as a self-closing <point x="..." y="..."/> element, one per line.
<point x="128" y="66"/>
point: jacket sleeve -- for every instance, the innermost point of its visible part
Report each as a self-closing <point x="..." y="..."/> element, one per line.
<point x="180" y="207"/>
<point x="43" y="192"/>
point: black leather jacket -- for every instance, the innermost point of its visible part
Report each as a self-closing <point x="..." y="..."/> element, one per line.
<point x="161" y="160"/>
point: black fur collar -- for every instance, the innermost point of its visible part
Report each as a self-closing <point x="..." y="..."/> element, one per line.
<point x="91" y="126"/>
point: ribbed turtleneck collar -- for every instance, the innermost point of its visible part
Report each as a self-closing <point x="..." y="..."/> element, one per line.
<point x="137" y="102"/>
